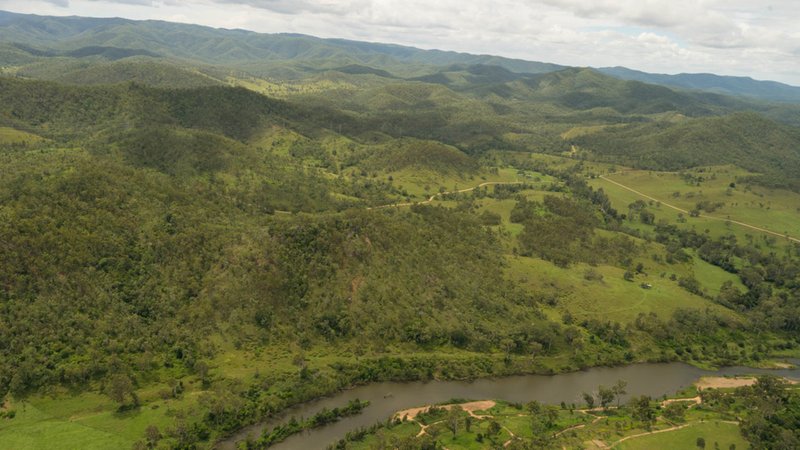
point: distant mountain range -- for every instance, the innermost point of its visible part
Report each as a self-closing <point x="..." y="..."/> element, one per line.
<point x="28" y="38"/>
<point x="742" y="86"/>
<point x="234" y="47"/>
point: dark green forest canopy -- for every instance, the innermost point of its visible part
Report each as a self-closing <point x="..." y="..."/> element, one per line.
<point x="57" y="110"/>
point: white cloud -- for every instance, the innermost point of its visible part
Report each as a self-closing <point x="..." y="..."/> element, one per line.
<point x="61" y="3"/>
<point x="735" y="37"/>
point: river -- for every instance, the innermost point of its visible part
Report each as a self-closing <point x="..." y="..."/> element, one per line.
<point x="388" y="397"/>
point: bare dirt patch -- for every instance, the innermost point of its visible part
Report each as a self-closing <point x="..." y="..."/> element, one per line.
<point x="723" y="382"/>
<point x="693" y="401"/>
<point x="727" y="382"/>
<point x="469" y="407"/>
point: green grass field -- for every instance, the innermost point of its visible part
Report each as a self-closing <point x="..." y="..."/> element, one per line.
<point x="422" y="183"/>
<point x="612" y="298"/>
<point x="88" y="421"/>
<point x="563" y="162"/>
<point x="714" y="433"/>
<point x="33" y="429"/>
<point x="771" y="209"/>
<point x="775" y="210"/>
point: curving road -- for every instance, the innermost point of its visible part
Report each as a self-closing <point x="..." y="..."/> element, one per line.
<point x="424" y="202"/>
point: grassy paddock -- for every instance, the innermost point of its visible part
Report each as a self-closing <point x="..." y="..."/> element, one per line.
<point x="611" y="298"/>
<point x="771" y="209"/>
<point x="722" y="433"/>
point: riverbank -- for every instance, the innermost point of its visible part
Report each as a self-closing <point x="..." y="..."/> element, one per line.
<point x="721" y="420"/>
<point x="386" y="398"/>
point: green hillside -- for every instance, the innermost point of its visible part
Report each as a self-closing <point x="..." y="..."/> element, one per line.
<point x="745" y="139"/>
<point x="93" y="72"/>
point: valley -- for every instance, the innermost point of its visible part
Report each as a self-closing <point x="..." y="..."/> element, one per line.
<point x="201" y="238"/>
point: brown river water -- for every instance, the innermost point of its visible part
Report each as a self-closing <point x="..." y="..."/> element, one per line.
<point x="388" y="397"/>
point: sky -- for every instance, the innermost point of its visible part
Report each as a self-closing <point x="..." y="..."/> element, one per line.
<point x="756" y="38"/>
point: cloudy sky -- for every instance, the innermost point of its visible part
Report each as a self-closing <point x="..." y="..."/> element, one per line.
<point x="758" y="38"/>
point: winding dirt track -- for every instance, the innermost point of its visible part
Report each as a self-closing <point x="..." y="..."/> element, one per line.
<point x="602" y="177"/>
<point x="704" y="216"/>
<point x="429" y="200"/>
<point x="665" y="430"/>
<point x="471" y="407"/>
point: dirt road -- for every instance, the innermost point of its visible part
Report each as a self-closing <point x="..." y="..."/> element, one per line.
<point x="743" y="224"/>
<point x="433" y="197"/>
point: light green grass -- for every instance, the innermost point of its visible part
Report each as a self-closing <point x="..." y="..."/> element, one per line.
<point x="423" y="183"/>
<point x="772" y="209"/>
<point x="33" y="429"/>
<point x="612" y="299"/>
<point x="13" y="136"/>
<point x="468" y="441"/>
<point x="89" y="420"/>
<point x="722" y="433"/>
<point x="402" y="431"/>
<point x="504" y="207"/>
<point x="712" y="277"/>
